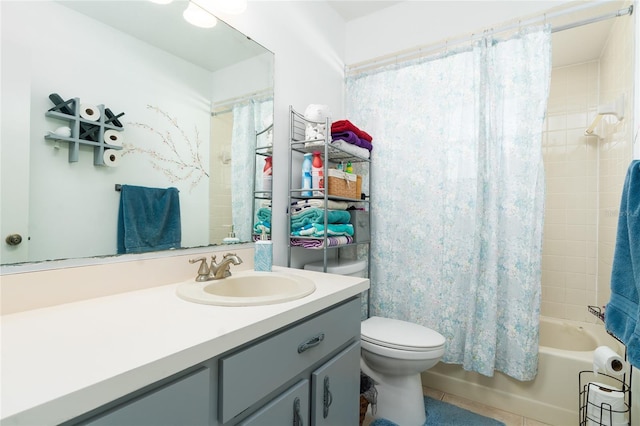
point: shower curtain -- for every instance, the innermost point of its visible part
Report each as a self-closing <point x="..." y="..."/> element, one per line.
<point x="248" y="118"/>
<point x="457" y="196"/>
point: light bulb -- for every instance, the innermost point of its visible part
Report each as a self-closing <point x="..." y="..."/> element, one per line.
<point x="161" y="1"/>
<point x="199" y="17"/>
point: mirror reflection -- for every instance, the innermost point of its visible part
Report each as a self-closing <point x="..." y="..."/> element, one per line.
<point x="192" y="99"/>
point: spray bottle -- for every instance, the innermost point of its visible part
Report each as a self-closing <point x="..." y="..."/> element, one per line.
<point x="306" y="176"/>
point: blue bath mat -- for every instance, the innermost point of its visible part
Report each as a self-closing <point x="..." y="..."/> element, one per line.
<point x="444" y="414"/>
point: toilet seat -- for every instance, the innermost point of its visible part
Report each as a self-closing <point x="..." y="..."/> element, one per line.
<point x="400" y="335"/>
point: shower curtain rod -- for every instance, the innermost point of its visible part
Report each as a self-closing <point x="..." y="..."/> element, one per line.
<point x="228" y="104"/>
<point x="423" y="51"/>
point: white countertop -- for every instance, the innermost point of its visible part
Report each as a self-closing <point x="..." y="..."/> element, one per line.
<point x="62" y="361"/>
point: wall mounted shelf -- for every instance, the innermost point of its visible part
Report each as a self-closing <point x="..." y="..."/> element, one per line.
<point x="84" y="131"/>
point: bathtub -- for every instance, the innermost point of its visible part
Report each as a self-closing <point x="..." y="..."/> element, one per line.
<point x="566" y="348"/>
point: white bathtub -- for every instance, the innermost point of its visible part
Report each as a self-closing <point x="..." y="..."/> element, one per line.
<point x="566" y="348"/>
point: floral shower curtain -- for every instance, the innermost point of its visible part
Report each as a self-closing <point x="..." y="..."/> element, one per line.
<point x="248" y="118"/>
<point x="458" y="196"/>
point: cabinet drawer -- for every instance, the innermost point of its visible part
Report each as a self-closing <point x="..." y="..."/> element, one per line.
<point x="252" y="373"/>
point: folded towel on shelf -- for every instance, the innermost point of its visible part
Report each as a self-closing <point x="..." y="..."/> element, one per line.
<point x="148" y="219"/>
<point x="316" y="243"/>
<point x="352" y="149"/>
<point x="350" y="137"/>
<point x="317" y="230"/>
<point x="264" y="214"/>
<point x="316" y="215"/>
<point x="300" y="205"/>
<point x="346" y="125"/>
<point x="622" y="314"/>
<point x="343" y="146"/>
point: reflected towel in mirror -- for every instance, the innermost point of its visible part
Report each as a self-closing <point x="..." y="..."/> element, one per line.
<point x="149" y="219"/>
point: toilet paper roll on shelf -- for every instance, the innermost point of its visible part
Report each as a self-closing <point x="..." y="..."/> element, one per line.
<point x="111" y="158"/>
<point x="607" y="361"/>
<point x="606" y="405"/>
<point x="112" y="137"/>
<point x="89" y="112"/>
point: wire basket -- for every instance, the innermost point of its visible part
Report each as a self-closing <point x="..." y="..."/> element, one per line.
<point x="605" y="412"/>
<point x="341" y="184"/>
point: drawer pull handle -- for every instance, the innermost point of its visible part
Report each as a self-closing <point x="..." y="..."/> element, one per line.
<point x="327" y="398"/>
<point x="314" y="341"/>
<point x="297" y="418"/>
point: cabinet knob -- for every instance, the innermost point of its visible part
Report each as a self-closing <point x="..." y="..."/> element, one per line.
<point x="13" y="239"/>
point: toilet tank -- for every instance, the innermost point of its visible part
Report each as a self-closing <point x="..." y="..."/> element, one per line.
<point x="350" y="267"/>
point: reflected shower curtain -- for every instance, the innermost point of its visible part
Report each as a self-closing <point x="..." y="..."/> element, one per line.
<point x="248" y="118"/>
<point x="458" y="196"/>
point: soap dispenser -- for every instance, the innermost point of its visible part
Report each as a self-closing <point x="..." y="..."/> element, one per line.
<point x="231" y="239"/>
<point x="263" y="255"/>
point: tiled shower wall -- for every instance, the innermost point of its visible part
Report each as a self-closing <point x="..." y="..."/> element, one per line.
<point x="220" y="178"/>
<point x="584" y="177"/>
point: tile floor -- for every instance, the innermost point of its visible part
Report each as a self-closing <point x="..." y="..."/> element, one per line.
<point x="509" y="419"/>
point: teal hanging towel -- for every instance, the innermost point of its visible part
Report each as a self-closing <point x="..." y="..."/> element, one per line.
<point x="148" y="219"/>
<point x="622" y="313"/>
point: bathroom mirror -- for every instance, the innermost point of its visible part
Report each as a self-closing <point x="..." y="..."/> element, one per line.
<point x="167" y="77"/>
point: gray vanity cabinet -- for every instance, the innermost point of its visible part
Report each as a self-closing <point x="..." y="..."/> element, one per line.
<point x="327" y="344"/>
<point x="183" y="401"/>
<point x="307" y="373"/>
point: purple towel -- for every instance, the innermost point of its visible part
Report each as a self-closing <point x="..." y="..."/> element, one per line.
<point x="352" y="138"/>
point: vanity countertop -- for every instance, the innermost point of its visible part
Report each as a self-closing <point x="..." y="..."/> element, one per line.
<point x="61" y="361"/>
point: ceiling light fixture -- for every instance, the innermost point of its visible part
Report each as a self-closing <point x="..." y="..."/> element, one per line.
<point x="161" y="1"/>
<point x="197" y="15"/>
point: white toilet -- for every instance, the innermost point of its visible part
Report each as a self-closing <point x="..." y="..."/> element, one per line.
<point x="393" y="354"/>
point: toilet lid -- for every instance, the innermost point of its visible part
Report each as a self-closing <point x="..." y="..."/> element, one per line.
<point x="393" y="333"/>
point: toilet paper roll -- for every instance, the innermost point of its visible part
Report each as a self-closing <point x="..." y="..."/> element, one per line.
<point x="605" y="405"/>
<point x="111" y="158"/>
<point x="606" y="361"/>
<point x="89" y="112"/>
<point x="112" y="137"/>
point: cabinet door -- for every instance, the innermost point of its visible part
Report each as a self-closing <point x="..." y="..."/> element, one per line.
<point x="335" y="389"/>
<point x="184" y="402"/>
<point x="290" y="408"/>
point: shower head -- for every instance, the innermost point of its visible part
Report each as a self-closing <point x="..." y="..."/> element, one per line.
<point x="616" y="109"/>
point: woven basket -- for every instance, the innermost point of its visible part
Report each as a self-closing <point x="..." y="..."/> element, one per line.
<point x="364" y="406"/>
<point x="341" y="184"/>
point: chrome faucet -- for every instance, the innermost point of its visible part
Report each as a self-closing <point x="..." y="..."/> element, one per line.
<point x="218" y="271"/>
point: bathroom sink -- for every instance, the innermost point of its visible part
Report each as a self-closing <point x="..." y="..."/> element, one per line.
<point x="247" y="288"/>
